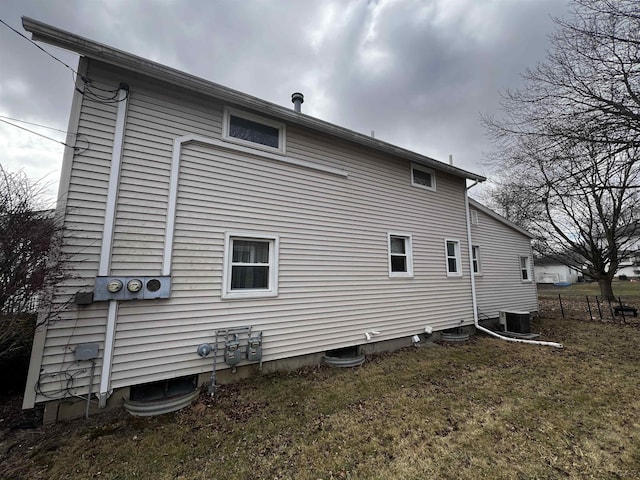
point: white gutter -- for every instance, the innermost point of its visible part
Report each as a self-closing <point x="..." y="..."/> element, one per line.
<point x="107" y="243"/>
<point x="473" y="288"/>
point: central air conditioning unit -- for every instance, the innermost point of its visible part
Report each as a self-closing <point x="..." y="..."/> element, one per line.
<point x="516" y="322"/>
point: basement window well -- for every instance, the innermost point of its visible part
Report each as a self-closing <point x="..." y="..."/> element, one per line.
<point x="157" y="398"/>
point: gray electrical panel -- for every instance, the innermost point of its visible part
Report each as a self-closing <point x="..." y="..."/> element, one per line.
<point x="132" y="288"/>
<point x="86" y="351"/>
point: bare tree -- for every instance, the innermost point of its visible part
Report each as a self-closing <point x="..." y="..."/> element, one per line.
<point x="588" y="89"/>
<point x="29" y="263"/>
<point x="570" y="138"/>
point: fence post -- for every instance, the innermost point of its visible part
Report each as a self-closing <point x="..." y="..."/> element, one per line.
<point x="599" y="309"/>
<point x="589" y="307"/>
<point x="624" y="320"/>
<point x="561" y="307"/>
<point x="613" y="315"/>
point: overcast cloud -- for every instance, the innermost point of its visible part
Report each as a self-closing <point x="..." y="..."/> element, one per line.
<point x="417" y="72"/>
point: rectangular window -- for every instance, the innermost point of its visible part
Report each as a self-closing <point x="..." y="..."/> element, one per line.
<point x="252" y="130"/>
<point x="250" y="267"/>
<point x="474" y="217"/>
<point x="476" y="259"/>
<point x="524" y="269"/>
<point x="423" y="177"/>
<point x="454" y="263"/>
<point x="400" y="255"/>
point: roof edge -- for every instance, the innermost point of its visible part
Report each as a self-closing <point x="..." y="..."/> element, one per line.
<point x="500" y="218"/>
<point x="69" y="41"/>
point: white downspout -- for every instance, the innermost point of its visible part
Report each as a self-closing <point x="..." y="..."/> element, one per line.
<point x="107" y="241"/>
<point x="473" y="288"/>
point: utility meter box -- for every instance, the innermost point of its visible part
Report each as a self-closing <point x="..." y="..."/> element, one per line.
<point x="254" y="348"/>
<point x="232" y="351"/>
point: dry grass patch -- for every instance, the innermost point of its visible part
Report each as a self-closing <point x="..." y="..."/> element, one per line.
<point x="485" y="409"/>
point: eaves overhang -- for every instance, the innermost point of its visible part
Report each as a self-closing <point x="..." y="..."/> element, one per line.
<point x="88" y="48"/>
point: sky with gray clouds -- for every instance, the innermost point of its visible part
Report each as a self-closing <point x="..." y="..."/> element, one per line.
<point x="420" y="73"/>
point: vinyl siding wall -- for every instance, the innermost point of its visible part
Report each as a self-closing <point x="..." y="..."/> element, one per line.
<point x="499" y="285"/>
<point x="334" y="281"/>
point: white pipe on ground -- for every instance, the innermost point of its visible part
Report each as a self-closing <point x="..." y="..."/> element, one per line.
<point x="473" y="289"/>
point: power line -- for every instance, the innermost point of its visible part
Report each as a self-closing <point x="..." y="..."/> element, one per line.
<point x="34" y="124"/>
<point x="90" y="90"/>
<point x="36" y="133"/>
<point x="37" y="46"/>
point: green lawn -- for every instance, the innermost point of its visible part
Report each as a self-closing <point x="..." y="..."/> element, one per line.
<point x="484" y="409"/>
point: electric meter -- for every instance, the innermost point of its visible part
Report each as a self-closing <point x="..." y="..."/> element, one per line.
<point x="134" y="285"/>
<point x="114" y="286"/>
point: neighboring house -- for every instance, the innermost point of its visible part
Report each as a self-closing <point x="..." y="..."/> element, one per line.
<point x="502" y="262"/>
<point x="630" y="267"/>
<point x="192" y="209"/>
<point x="551" y="270"/>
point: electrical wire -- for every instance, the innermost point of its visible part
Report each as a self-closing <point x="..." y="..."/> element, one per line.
<point x="36" y="133"/>
<point x="37" y="46"/>
<point x="79" y="137"/>
<point x="34" y="124"/>
<point x="90" y="89"/>
<point x="67" y="378"/>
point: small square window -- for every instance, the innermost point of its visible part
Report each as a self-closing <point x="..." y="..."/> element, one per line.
<point x="400" y="255"/>
<point x="423" y="177"/>
<point x="454" y="262"/>
<point x="250" y="267"/>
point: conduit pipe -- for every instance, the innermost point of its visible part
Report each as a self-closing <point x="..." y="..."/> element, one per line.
<point x="180" y="142"/>
<point x="473" y="288"/>
<point x="107" y="243"/>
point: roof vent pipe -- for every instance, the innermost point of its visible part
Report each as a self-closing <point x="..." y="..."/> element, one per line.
<point x="297" y="99"/>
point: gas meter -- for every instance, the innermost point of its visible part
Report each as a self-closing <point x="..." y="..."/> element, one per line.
<point x="254" y="348"/>
<point x="232" y="351"/>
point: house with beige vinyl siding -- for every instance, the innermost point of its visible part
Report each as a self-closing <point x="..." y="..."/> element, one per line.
<point x="197" y="217"/>
<point x="502" y="262"/>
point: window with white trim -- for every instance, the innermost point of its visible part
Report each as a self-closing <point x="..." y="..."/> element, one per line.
<point x="475" y="250"/>
<point x="250" y="266"/>
<point x="423" y="177"/>
<point x="454" y="263"/>
<point x="474" y="217"/>
<point x="524" y="269"/>
<point x="254" y="131"/>
<point x="400" y="255"/>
